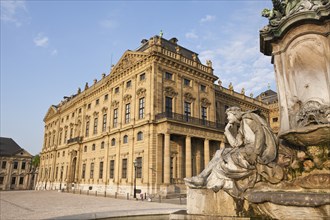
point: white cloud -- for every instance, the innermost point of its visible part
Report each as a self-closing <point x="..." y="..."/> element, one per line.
<point x="11" y="11"/>
<point x="111" y="24"/>
<point x="191" y="35"/>
<point x="41" y="40"/>
<point x="207" y="18"/>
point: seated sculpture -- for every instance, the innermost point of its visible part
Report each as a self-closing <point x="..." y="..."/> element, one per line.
<point x="251" y="157"/>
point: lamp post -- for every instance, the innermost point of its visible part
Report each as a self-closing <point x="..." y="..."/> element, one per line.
<point x="135" y="165"/>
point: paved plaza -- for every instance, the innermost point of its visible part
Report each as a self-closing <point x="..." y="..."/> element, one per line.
<point x="57" y="205"/>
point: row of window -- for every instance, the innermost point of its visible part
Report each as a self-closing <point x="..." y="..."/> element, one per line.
<point x="186" y="82"/>
<point x="13" y="180"/>
<point x="142" y="77"/>
<point x="15" y="165"/>
<point x="187" y="109"/>
<point x="138" y="171"/>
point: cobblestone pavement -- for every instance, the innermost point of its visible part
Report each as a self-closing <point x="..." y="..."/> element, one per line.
<point x="57" y="205"/>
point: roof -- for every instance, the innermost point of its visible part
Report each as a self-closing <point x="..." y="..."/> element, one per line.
<point x="170" y="45"/>
<point x="269" y="96"/>
<point x="8" y="147"/>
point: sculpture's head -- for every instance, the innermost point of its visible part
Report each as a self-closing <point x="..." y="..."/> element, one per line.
<point x="234" y="114"/>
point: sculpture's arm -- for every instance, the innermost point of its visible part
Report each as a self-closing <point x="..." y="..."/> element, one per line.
<point x="234" y="142"/>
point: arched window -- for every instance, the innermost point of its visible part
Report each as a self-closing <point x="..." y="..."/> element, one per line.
<point x="102" y="145"/>
<point x="113" y="142"/>
<point x="140" y="136"/>
<point x="85" y="149"/>
<point x="125" y="139"/>
<point x="93" y="147"/>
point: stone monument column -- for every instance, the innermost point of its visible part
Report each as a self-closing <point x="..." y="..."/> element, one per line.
<point x="298" y="39"/>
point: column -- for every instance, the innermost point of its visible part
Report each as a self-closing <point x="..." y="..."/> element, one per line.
<point x="206" y="152"/>
<point x="188" y="157"/>
<point x="174" y="167"/>
<point x="167" y="159"/>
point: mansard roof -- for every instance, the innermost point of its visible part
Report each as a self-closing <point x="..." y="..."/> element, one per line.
<point x="170" y="45"/>
<point x="269" y="96"/>
<point x="8" y="147"/>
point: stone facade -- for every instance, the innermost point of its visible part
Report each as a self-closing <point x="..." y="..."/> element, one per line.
<point x="15" y="166"/>
<point x="159" y="106"/>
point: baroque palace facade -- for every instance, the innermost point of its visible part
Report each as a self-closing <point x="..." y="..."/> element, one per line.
<point x="158" y="109"/>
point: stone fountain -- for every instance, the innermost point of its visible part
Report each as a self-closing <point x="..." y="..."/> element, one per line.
<point x="284" y="177"/>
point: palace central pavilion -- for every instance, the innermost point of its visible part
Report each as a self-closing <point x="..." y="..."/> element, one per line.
<point x="156" y="118"/>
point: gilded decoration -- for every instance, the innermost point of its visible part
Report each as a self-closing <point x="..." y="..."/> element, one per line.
<point x="170" y="92"/>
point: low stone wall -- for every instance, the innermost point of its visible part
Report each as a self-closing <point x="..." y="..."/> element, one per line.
<point x="207" y="202"/>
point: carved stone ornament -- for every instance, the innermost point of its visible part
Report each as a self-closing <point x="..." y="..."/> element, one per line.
<point x="141" y="92"/>
<point x="169" y="91"/>
<point x="95" y="114"/>
<point x="188" y="97"/>
<point x="87" y="117"/>
<point x="115" y="104"/>
<point x="205" y="102"/>
<point x="313" y="112"/>
<point x="127" y="98"/>
<point x="282" y="9"/>
<point x="104" y="109"/>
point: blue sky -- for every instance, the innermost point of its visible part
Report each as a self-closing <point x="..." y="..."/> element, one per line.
<point x="50" y="48"/>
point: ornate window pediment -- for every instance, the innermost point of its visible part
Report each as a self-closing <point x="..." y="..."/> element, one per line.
<point x="141" y="92"/>
<point x="104" y="109"/>
<point x="127" y="98"/>
<point x="95" y="114"/>
<point x="115" y="104"/>
<point x="205" y="102"/>
<point x="189" y="97"/>
<point x="87" y="117"/>
<point x="170" y="92"/>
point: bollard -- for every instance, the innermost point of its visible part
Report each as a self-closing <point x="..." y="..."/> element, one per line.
<point x="115" y="195"/>
<point x="96" y="193"/>
<point x="80" y="191"/>
<point x="105" y="193"/>
<point x="87" y="192"/>
<point x="180" y="198"/>
<point x="160" y="199"/>
<point x="127" y="196"/>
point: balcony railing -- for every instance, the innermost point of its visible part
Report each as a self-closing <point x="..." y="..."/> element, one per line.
<point x="190" y="120"/>
<point x="75" y="139"/>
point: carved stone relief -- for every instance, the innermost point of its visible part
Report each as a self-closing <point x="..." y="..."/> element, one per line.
<point x="169" y="91"/>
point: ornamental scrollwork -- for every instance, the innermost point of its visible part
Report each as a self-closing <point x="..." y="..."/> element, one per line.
<point x="205" y="102"/>
<point x="115" y="104"/>
<point x="104" y="109"/>
<point x="189" y="97"/>
<point x="141" y="92"/>
<point x="169" y="91"/>
<point x="127" y="98"/>
<point x="95" y="114"/>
